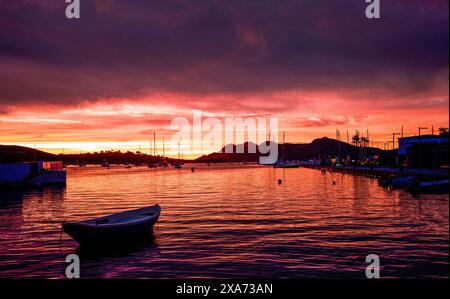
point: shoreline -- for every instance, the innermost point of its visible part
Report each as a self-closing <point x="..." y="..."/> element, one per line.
<point x="377" y="172"/>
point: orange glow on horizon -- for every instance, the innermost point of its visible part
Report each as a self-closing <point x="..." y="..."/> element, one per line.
<point x="128" y="124"/>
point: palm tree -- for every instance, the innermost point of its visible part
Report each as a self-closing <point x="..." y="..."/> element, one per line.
<point x="356" y="140"/>
<point x="364" y="141"/>
<point x="443" y="130"/>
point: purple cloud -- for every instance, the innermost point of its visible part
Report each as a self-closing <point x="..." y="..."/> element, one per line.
<point x="135" y="48"/>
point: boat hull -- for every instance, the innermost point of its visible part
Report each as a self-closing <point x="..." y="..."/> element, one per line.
<point x="288" y="166"/>
<point x="434" y="187"/>
<point x="89" y="234"/>
<point x="396" y="182"/>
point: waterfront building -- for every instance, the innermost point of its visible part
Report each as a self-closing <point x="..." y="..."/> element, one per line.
<point x="32" y="173"/>
<point x="424" y="151"/>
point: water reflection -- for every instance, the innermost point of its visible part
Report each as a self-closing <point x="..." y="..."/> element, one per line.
<point x="230" y="222"/>
<point x="118" y="250"/>
<point x="11" y="198"/>
<point x="28" y="202"/>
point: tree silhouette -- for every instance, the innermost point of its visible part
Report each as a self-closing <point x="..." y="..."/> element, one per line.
<point x="364" y="141"/>
<point x="443" y="130"/>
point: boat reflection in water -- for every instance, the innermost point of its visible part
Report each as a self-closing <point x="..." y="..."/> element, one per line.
<point x="118" y="249"/>
<point x="231" y="221"/>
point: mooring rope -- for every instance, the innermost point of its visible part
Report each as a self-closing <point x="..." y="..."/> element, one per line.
<point x="60" y="239"/>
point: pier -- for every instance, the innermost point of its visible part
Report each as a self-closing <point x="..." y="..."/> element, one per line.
<point x="377" y="172"/>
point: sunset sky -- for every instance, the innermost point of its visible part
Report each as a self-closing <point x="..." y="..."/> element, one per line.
<point x="127" y="68"/>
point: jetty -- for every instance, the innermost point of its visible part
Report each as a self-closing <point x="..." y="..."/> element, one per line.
<point x="378" y="172"/>
<point x="32" y="174"/>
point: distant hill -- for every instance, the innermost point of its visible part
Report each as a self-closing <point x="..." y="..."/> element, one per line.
<point x="112" y="157"/>
<point x="15" y="153"/>
<point x="324" y="148"/>
<point x="222" y="157"/>
<point x="319" y="148"/>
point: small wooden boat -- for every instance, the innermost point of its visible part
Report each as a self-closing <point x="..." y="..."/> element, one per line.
<point x="396" y="182"/>
<point x="383" y="181"/>
<point x="432" y="187"/>
<point x="123" y="228"/>
<point x="286" y="164"/>
<point x="105" y="164"/>
<point x="401" y="182"/>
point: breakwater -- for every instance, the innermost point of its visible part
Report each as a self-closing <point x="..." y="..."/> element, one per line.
<point x="377" y="172"/>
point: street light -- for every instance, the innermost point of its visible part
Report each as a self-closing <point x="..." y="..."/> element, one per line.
<point x="422" y="128"/>
<point x="393" y="139"/>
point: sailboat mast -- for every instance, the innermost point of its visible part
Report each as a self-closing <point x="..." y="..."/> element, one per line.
<point x="164" y="149"/>
<point x="154" y="143"/>
<point x="150" y="148"/>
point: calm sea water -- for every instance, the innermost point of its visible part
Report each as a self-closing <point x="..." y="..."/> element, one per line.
<point x="230" y="221"/>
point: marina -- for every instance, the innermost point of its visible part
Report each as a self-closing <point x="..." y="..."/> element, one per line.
<point x="181" y="145"/>
<point x="306" y="227"/>
<point x="432" y="181"/>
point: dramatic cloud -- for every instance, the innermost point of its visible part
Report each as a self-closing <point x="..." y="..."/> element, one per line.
<point x="298" y="59"/>
<point x="130" y="48"/>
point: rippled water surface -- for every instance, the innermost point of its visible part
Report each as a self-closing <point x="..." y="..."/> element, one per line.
<point x="230" y="221"/>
